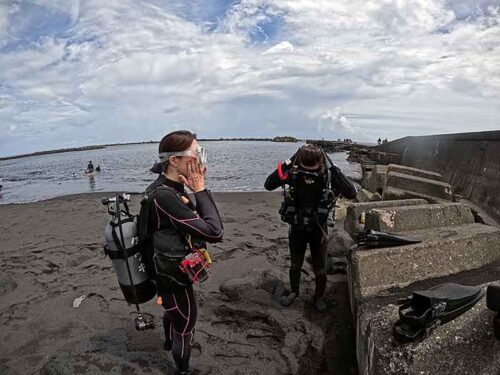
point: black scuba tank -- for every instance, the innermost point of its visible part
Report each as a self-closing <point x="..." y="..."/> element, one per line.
<point x="123" y="250"/>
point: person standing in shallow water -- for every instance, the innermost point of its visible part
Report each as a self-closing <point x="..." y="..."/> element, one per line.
<point x="178" y="225"/>
<point x="314" y="184"/>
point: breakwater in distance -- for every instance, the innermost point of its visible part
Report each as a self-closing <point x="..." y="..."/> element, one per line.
<point x="470" y="162"/>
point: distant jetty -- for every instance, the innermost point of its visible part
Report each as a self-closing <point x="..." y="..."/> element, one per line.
<point x="84" y="148"/>
<point x="98" y="147"/>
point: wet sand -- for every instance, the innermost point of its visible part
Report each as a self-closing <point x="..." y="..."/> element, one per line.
<point x="51" y="253"/>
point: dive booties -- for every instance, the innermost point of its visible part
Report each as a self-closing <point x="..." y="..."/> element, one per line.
<point x="373" y="239"/>
<point x="493" y="303"/>
<point x="424" y="311"/>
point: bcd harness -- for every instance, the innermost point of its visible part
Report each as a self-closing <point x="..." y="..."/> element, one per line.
<point x="294" y="210"/>
<point x="179" y="262"/>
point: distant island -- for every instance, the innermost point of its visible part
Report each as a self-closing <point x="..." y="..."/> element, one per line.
<point x="84" y="148"/>
<point x="285" y="139"/>
<point x="98" y="147"/>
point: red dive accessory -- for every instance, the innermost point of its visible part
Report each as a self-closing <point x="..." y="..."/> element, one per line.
<point x="196" y="265"/>
<point x="281" y="175"/>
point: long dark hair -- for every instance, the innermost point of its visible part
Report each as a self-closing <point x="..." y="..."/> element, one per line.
<point x="179" y="140"/>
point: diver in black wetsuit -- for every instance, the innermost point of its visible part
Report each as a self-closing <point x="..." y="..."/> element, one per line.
<point x="90" y="167"/>
<point x="174" y="217"/>
<point x="314" y="184"/>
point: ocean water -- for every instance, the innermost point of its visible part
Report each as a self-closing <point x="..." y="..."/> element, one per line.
<point x="233" y="166"/>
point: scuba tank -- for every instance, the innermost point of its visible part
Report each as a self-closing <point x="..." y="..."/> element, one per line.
<point x="125" y="254"/>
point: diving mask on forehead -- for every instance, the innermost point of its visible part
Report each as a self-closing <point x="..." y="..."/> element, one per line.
<point x="200" y="153"/>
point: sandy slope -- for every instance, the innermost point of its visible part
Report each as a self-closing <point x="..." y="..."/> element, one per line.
<point x="51" y="253"/>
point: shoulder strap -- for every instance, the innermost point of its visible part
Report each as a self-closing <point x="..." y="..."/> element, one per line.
<point x="186" y="236"/>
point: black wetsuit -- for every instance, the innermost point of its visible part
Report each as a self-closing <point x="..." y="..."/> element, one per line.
<point x="90" y="167"/>
<point x="203" y="223"/>
<point x="314" y="232"/>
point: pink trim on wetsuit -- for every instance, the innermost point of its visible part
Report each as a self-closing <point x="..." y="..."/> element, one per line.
<point x="184" y="222"/>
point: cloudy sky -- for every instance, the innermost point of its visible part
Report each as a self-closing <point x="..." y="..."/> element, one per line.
<point x="78" y="72"/>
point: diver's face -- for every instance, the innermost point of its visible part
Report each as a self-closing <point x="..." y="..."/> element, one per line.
<point x="183" y="161"/>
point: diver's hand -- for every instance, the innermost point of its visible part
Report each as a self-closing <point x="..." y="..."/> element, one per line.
<point x="195" y="180"/>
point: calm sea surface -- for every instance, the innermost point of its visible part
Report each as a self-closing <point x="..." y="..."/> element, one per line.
<point x="233" y="166"/>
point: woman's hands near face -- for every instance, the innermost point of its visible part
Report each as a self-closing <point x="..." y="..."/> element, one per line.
<point x="195" y="179"/>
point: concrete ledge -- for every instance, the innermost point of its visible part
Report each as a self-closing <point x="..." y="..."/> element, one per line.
<point x="351" y="224"/>
<point x="444" y="251"/>
<point x="384" y="157"/>
<point x="415" y="172"/>
<point x="374" y="177"/>
<point x="392" y="193"/>
<point x="465" y="345"/>
<point x="409" y="218"/>
<point x="420" y="185"/>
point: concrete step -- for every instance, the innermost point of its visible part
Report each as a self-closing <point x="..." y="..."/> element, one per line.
<point x="351" y="224"/>
<point x="374" y="177"/>
<point x="392" y="193"/>
<point x="384" y="157"/>
<point x="410" y="218"/>
<point x="443" y="251"/>
<point x="465" y="345"/>
<point x="420" y="185"/>
<point x="415" y="172"/>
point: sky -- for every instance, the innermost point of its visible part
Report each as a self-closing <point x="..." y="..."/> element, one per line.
<point x="82" y="72"/>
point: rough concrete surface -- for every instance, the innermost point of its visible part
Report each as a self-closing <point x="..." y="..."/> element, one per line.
<point x="420" y="185"/>
<point x="354" y="210"/>
<point x="464" y="346"/>
<point x="392" y="193"/>
<point x="374" y="177"/>
<point x="444" y="251"/>
<point x="409" y="218"/>
<point x="415" y="172"/>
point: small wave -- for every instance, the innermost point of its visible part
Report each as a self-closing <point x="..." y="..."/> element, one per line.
<point x="35" y="173"/>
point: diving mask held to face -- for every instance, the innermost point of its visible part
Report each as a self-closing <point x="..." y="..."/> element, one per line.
<point x="200" y="153"/>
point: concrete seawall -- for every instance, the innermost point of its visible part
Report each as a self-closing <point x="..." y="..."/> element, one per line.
<point x="470" y="162"/>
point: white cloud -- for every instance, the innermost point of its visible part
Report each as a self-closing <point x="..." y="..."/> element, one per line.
<point x="125" y="70"/>
<point x="335" y="122"/>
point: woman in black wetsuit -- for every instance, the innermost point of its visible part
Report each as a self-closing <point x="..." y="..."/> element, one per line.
<point x="309" y="205"/>
<point x="175" y="217"/>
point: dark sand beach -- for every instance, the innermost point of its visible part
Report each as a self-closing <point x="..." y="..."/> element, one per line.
<point x="51" y="253"/>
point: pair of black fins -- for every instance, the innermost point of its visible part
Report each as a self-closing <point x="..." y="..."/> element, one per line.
<point x="373" y="239"/>
<point x="422" y="312"/>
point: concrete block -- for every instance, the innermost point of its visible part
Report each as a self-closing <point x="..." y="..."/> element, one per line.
<point x="366" y="196"/>
<point x="391" y="193"/>
<point x="411" y="218"/>
<point x="415" y="172"/>
<point x="420" y="185"/>
<point x="443" y="251"/>
<point x="374" y="177"/>
<point x="384" y="157"/>
<point x="351" y="223"/>
<point x="465" y="345"/>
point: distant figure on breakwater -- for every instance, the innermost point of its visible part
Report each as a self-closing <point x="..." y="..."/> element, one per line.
<point x="379" y="141"/>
